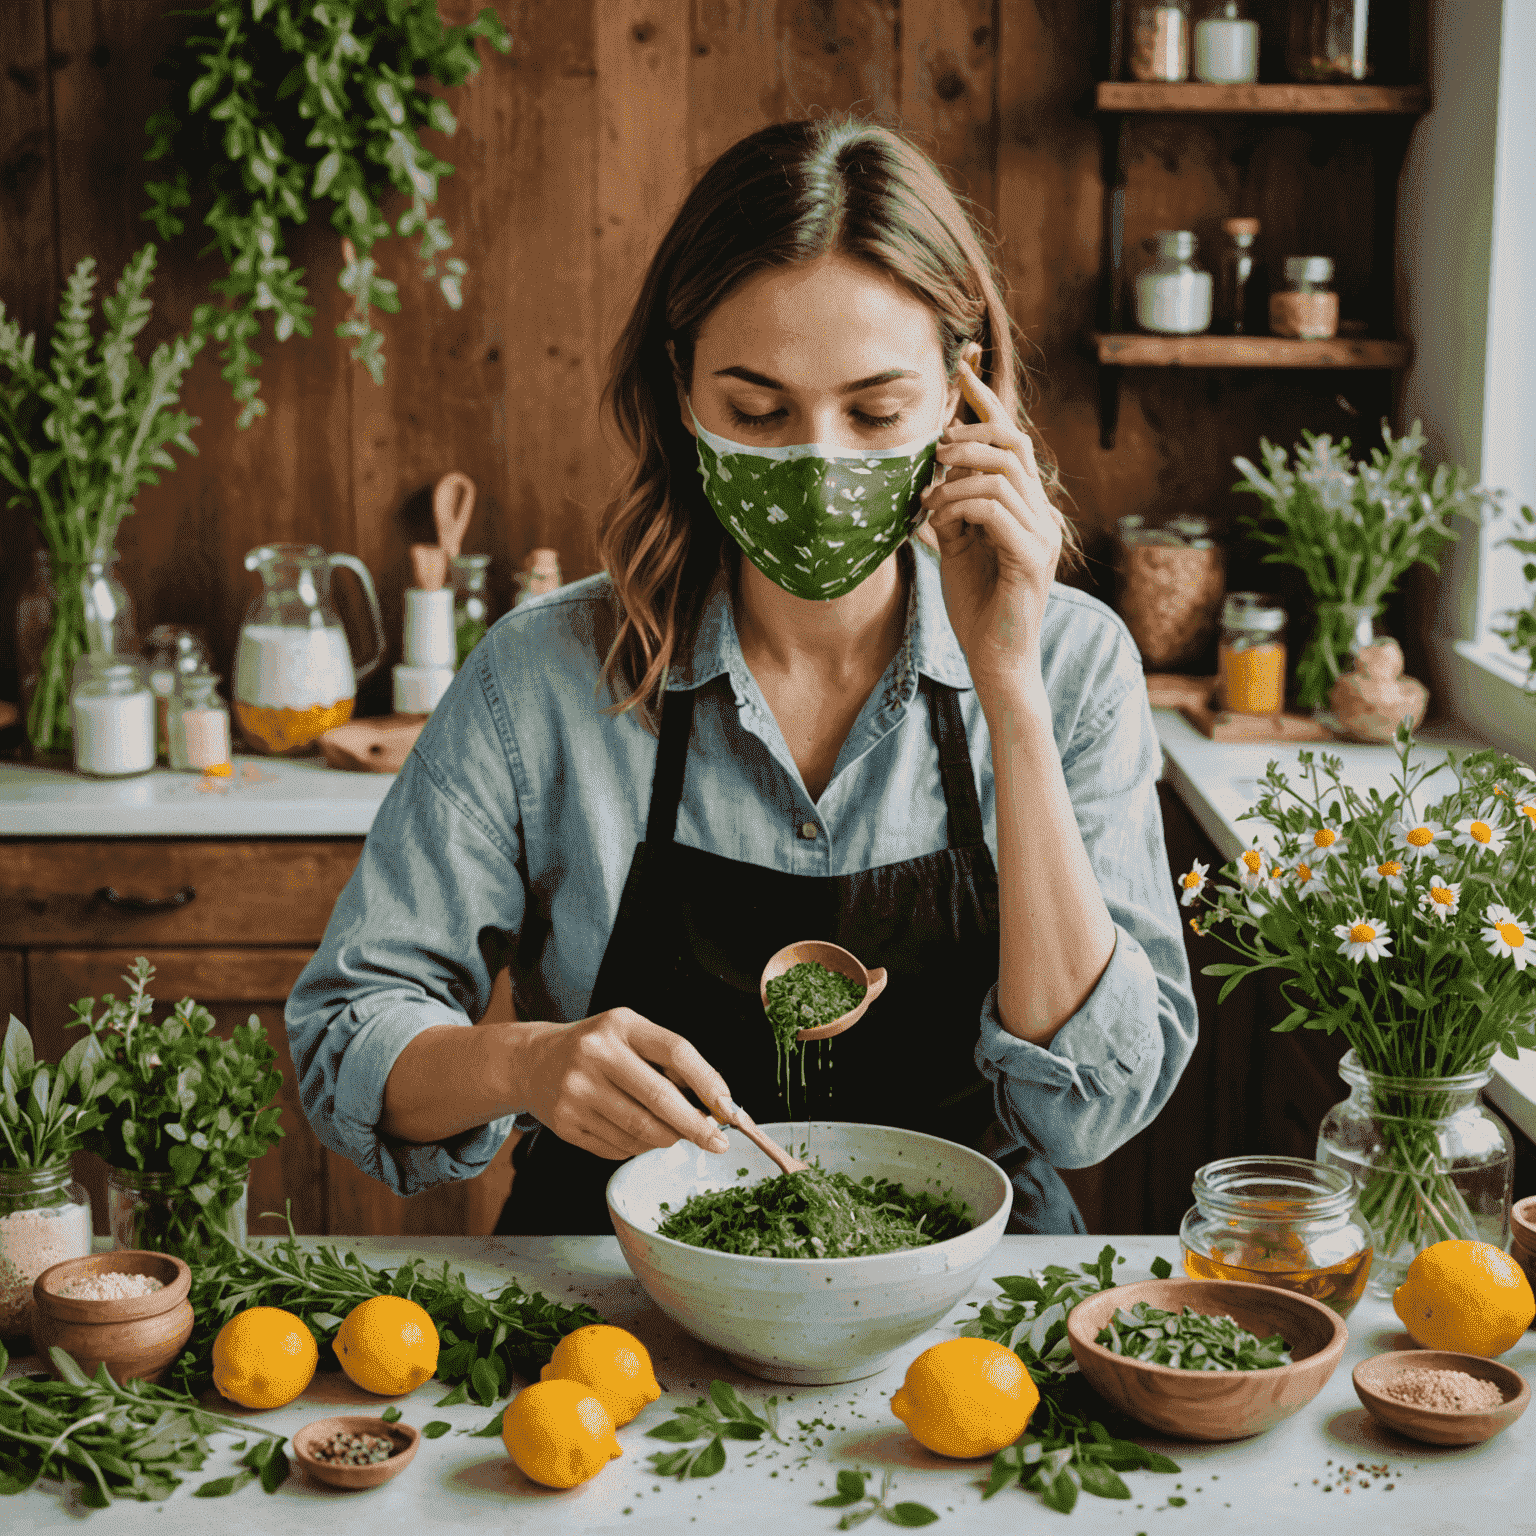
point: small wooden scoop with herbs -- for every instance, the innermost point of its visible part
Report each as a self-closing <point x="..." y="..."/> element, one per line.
<point x="813" y="990"/>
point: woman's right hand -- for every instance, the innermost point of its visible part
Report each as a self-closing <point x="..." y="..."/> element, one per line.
<point x="612" y="1084"/>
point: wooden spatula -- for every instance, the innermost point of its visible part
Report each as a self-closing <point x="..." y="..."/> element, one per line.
<point x="453" y="500"/>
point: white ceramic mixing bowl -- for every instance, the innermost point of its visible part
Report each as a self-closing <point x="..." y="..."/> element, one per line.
<point x="808" y="1321"/>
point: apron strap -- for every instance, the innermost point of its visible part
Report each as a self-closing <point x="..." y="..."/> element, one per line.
<point x="966" y="829"/>
<point x="671" y="760"/>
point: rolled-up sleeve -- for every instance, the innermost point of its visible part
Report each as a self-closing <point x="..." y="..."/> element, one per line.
<point x="1110" y="1069"/>
<point x="414" y="941"/>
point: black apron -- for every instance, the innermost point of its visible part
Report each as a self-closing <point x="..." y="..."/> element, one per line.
<point x="693" y="932"/>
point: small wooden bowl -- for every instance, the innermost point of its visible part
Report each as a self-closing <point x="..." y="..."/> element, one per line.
<point x="1440" y="1426"/>
<point x="303" y="1443"/>
<point x="138" y="1337"/>
<point x="1522" y="1233"/>
<point x="835" y="958"/>
<point x="1211" y="1405"/>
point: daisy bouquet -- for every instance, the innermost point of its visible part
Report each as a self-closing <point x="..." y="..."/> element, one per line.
<point x="1407" y="926"/>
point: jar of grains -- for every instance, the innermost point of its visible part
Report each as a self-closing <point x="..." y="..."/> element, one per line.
<point x="1306" y="307"/>
<point x="1281" y="1221"/>
<point x="45" y="1218"/>
<point x="1160" y="40"/>
<point x="1170" y="581"/>
<point x="1250" y="661"/>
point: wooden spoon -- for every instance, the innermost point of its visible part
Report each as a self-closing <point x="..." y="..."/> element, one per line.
<point x="453" y="500"/>
<point x="836" y="959"/>
<point x="733" y="1114"/>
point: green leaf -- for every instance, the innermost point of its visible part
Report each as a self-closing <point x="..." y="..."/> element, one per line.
<point x="1161" y="1268"/>
<point x="390" y="1415"/>
<point x="908" y="1513"/>
<point x="488" y="1431"/>
<point x="460" y="1394"/>
<point x="709" y="1461"/>
<point x="483" y="1383"/>
<point x="220" y="1486"/>
<point x="1061" y="1492"/>
<point x="440" y="1427"/>
<point x="17" y="1050"/>
<point x="1102" y="1481"/>
<point x="850" y="1483"/>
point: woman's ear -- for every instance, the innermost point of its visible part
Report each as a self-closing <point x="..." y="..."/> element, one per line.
<point x="684" y="408"/>
<point x="954" y="401"/>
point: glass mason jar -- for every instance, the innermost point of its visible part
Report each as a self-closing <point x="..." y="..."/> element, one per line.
<point x="1326" y="40"/>
<point x="1306" y="307"/>
<point x="1159" y="40"/>
<point x="1430" y="1161"/>
<point x="1171" y="578"/>
<point x="198" y="725"/>
<point x="1226" y="45"/>
<point x="1250" y="660"/>
<point x="45" y="1218"/>
<point x="112" y="712"/>
<point x="1281" y="1221"/>
<point x="150" y="1209"/>
<point x="471" y="603"/>
<point x="170" y="651"/>
<point x="1173" y="295"/>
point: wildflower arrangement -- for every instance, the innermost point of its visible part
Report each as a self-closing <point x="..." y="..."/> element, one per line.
<point x="1352" y="530"/>
<point x="1408" y="927"/>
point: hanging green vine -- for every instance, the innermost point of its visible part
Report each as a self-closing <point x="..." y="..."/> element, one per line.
<point x="277" y="105"/>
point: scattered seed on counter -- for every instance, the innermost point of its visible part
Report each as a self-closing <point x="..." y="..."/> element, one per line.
<point x="110" y="1285"/>
<point x="346" y="1450"/>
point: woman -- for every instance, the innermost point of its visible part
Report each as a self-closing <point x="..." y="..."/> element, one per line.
<point x="775" y="719"/>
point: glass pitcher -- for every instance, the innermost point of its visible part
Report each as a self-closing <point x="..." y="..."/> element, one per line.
<point x="294" y="674"/>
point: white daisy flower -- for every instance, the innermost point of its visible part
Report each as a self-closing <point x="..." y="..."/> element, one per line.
<point x="1526" y="808"/>
<point x="1251" y="866"/>
<point x="1308" y="881"/>
<point x="1363" y="939"/>
<point x="1483" y="832"/>
<point x="1192" y="884"/>
<point x="1417" y="838"/>
<point x="1269" y="884"/>
<point x="1389" y="873"/>
<point x="1441" y="900"/>
<point x="1506" y="935"/>
<point x="1324" y="843"/>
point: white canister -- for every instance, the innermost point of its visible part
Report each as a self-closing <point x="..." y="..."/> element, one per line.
<point x="418" y="689"/>
<point x="1226" y="46"/>
<point x="1173" y="295"/>
<point x="429" y="639"/>
<point x="113" y="712"/>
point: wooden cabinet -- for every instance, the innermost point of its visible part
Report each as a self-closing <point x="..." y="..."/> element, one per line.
<point x="231" y="923"/>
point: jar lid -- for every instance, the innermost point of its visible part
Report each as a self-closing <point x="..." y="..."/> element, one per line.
<point x="1308" y="269"/>
<point x="1174" y="242"/>
<point x="1252" y="610"/>
<point x="1238" y="228"/>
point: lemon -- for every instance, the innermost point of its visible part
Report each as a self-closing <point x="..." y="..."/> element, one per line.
<point x="1465" y="1296"/>
<point x="966" y="1398"/>
<point x="388" y="1345"/>
<point x="559" y="1433"/>
<point x="612" y="1362"/>
<point x="263" y="1357"/>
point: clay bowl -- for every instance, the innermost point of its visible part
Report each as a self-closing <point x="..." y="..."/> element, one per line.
<point x="1211" y="1405"/>
<point x="1440" y="1426"/>
<point x="405" y="1437"/>
<point x="137" y="1337"/>
<point x="1522" y="1233"/>
<point x="835" y="958"/>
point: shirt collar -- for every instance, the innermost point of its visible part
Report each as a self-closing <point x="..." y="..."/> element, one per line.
<point x="928" y="648"/>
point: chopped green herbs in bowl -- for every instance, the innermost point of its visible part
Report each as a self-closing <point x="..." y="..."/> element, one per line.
<point x="1190" y="1340"/>
<point x="807" y="996"/>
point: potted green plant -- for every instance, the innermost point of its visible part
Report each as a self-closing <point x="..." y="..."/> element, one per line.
<point x="1352" y="530"/>
<point x="46" y="1114"/>
<point x="82" y="431"/>
<point x="1406" y="925"/>
<point x="278" y="108"/>
<point x="1518" y="631"/>
<point x="188" y="1114"/>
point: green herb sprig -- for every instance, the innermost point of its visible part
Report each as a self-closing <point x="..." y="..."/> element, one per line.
<point x="1069" y="1449"/>
<point x="850" y="1490"/>
<point x="725" y="1415"/>
<point x="125" y="1441"/>
<point x="46" y="1113"/>
<point x="1190" y="1341"/>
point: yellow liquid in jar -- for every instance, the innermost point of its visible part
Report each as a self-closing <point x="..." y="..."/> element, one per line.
<point x="1281" y="1260"/>
<point x="280" y="731"/>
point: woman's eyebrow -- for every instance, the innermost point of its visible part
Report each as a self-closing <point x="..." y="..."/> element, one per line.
<point x="750" y="376"/>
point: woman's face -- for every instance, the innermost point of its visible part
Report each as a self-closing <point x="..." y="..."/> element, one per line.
<point x="833" y="352"/>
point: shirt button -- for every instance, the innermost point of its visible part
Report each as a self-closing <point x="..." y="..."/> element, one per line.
<point x="808" y="830"/>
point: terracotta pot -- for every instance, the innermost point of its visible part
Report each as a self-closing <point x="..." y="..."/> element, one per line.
<point x="138" y="1337"/>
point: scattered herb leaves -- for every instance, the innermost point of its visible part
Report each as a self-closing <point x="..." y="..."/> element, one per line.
<point x="851" y="1492"/>
<point x="436" y="1429"/>
<point x="724" y="1415"/>
<point x="486" y="1431"/>
<point x="391" y="1414"/>
<point x="1190" y="1340"/>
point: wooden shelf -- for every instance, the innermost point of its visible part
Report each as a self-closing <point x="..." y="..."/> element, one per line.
<point x="1297" y="100"/>
<point x="1135" y="350"/>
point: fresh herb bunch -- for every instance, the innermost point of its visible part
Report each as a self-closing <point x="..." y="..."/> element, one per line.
<point x="807" y="996"/>
<point x="82" y="430"/>
<point x="47" y="1113"/>
<point x="1069" y="1449"/>
<point x="724" y="1415"/>
<point x="277" y="105"/>
<point x="485" y="1340"/>
<point x="815" y="1214"/>
<point x="126" y="1441"/>
<point x="1519" y="630"/>
<point x="1352" y="530"/>
<point x="850" y="1490"/>
<point x="182" y="1102"/>
<point x="1190" y="1341"/>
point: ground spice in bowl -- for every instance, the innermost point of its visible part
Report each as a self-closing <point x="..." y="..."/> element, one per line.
<point x="109" y="1285"/>
<point x="1443" y="1391"/>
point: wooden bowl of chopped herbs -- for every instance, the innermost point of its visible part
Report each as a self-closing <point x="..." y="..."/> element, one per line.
<point x="812" y="990"/>
<point x="1441" y="1397"/>
<point x="354" y="1451"/>
<point x="1206" y="1359"/>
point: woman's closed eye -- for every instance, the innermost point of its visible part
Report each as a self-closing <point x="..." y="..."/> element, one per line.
<point x="863" y="418"/>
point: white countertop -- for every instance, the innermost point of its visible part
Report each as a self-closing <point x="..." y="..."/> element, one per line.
<point x="265" y="797"/>
<point x="1218" y="780"/>
<point x="1273" y="1485"/>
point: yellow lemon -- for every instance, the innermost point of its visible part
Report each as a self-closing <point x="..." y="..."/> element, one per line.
<point x="559" y="1433"/>
<point x="388" y="1345"/>
<point x="612" y="1362"/>
<point x="1465" y="1296"/>
<point x="263" y="1357"/>
<point x="966" y="1397"/>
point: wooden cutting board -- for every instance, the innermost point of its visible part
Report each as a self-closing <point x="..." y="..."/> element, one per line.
<point x="379" y="744"/>
<point x="1193" y="697"/>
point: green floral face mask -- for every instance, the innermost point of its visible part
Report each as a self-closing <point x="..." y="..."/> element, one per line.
<point x="815" y="520"/>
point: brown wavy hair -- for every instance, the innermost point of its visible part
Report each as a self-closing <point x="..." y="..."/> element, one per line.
<point x="784" y="195"/>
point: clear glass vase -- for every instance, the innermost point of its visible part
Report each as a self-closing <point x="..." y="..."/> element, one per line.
<point x="147" y="1209"/>
<point x="45" y="1218"/>
<point x="1431" y="1163"/>
<point x="1341" y="632"/>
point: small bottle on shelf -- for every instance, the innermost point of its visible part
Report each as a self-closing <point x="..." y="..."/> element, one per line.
<point x="1237" y="275"/>
<point x="1226" y="45"/>
<point x="1306" y="307"/>
<point x="1160" y="40"/>
<point x="1173" y="295"/>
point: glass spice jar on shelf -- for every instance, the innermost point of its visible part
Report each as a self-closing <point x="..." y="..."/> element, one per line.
<point x="199" y="726"/>
<point x="1173" y="295"/>
<point x="1250" y="660"/>
<point x="1170" y="582"/>
<point x="1281" y="1221"/>
<point x="1237" y="286"/>
<point x="1159" y="40"/>
<point x="1326" y="40"/>
<point x="1306" y="307"/>
<point x="1226" y="45"/>
<point x="112" y="710"/>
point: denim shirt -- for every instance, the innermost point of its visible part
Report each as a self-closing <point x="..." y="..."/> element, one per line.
<point x="508" y="834"/>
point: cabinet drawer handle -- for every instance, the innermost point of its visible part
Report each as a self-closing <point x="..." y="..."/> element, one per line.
<point x="115" y="898"/>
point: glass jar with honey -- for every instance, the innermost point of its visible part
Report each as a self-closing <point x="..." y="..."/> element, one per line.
<point x="1281" y="1221"/>
<point x="1250" y="660"/>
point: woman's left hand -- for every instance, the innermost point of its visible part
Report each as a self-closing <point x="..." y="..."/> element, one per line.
<point x="999" y="539"/>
